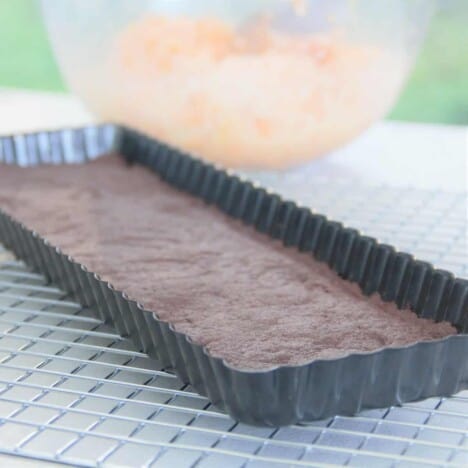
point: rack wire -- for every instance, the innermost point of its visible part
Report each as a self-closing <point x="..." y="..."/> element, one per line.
<point x="73" y="391"/>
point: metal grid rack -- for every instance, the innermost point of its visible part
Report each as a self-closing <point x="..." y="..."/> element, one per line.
<point x="73" y="391"/>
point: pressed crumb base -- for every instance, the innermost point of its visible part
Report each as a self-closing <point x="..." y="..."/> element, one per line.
<point x="245" y="297"/>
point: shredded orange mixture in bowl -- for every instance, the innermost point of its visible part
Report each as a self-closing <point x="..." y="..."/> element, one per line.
<point x="244" y="97"/>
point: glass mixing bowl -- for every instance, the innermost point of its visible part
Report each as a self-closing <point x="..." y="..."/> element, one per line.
<point x="244" y="83"/>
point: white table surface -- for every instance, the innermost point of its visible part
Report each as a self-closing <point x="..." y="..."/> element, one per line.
<point x="392" y="153"/>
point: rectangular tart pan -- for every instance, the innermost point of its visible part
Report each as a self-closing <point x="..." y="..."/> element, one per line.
<point x="276" y="396"/>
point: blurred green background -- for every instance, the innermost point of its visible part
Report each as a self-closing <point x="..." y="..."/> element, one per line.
<point x="436" y="92"/>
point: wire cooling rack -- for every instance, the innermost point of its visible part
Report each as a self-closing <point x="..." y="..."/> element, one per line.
<point x="73" y="391"/>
